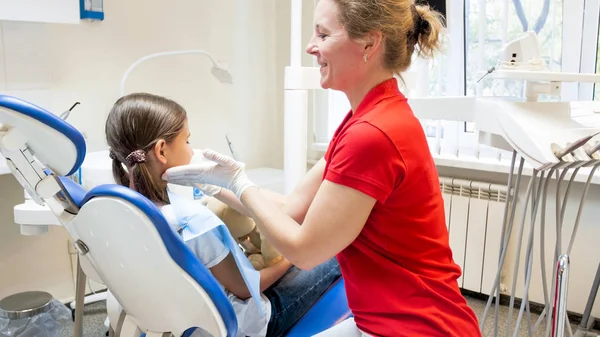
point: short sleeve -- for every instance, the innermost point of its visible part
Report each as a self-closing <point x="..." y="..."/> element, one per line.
<point x="365" y="159"/>
<point x="208" y="248"/>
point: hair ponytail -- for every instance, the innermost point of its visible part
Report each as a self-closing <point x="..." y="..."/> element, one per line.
<point x="119" y="173"/>
<point x="429" y="25"/>
<point x="144" y="183"/>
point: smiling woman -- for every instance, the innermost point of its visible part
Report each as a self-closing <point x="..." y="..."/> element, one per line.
<point x="374" y="200"/>
<point x="346" y="40"/>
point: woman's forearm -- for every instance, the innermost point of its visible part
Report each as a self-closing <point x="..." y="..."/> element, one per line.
<point x="281" y="230"/>
<point x="227" y="197"/>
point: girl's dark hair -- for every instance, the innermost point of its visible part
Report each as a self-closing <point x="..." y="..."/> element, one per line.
<point x="134" y="125"/>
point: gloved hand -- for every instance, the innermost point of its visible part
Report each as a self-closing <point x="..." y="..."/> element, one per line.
<point x="219" y="170"/>
<point x="207" y="189"/>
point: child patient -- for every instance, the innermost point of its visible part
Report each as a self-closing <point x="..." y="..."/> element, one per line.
<point x="148" y="134"/>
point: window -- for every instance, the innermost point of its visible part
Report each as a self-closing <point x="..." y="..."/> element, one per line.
<point x="597" y="85"/>
<point x="487" y="26"/>
<point x="477" y="31"/>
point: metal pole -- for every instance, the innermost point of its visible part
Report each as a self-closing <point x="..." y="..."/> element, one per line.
<point x="560" y="299"/>
<point x="585" y="321"/>
<point x="79" y="300"/>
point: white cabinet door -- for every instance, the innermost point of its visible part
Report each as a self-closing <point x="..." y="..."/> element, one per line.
<point x="51" y="11"/>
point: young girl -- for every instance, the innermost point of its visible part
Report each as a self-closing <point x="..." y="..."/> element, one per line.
<point x="149" y="134"/>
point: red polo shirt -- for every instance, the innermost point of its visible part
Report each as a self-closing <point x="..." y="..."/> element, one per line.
<point x="399" y="273"/>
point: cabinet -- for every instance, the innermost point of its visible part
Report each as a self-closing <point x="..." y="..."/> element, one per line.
<point x="48" y="11"/>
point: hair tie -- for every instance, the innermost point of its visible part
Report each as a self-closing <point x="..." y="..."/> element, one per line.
<point x="135" y="157"/>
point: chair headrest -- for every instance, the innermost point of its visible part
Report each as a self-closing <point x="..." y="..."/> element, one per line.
<point x="53" y="141"/>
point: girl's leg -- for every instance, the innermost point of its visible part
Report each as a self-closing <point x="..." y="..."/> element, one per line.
<point x="295" y="293"/>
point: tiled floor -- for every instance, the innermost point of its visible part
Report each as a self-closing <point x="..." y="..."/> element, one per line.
<point x="95" y="314"/>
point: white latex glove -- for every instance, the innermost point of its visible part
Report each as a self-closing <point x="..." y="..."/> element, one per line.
<point x="218" y="170"/>
<point x="207" y="189"/>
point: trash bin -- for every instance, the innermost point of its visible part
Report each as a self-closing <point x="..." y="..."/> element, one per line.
<point x="32" y="313"/>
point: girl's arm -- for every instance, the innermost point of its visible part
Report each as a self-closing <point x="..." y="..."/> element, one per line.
<point x="228" y="274"/>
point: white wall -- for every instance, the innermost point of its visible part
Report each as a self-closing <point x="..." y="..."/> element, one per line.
<point x="86" y="62"/>
<point x="31" y="262"/>
<point x="54" y="65"/>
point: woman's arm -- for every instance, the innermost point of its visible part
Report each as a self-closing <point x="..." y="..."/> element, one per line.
<point x="330" y="221"/>
<point x="334" y="219"/>
<point x="295" y="205"/>
<point x="228" y="274"/>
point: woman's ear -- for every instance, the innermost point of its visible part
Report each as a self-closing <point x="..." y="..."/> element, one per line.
<point x="372" y="42"/>
<point x="159" y="151"/>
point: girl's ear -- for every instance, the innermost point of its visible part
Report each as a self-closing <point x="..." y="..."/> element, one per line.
<point x="159" y="151"/>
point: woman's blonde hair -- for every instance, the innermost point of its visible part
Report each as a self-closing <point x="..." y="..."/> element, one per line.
<point x="404" y="26"/>
<point x="134" y="125"/>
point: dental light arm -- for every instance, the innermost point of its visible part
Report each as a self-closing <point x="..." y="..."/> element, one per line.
<point x="218" y="70"/>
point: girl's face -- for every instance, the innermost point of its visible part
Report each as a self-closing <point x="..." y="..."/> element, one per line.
<point x="176" y="153"/>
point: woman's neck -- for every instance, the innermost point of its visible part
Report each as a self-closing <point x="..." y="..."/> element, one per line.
<point x="358" y="93"/>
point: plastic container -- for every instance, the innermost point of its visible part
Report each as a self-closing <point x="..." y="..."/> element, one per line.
<point x="32" y="314"/>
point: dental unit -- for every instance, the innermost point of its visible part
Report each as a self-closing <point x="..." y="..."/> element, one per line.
<point x="557" y="146"/>
<point x="544" y="135"/>
<point x="549" y="138"/>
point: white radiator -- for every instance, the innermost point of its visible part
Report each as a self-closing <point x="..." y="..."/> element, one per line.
<point x="474" y="213"/>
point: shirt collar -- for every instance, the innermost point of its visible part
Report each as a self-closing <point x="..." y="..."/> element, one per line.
<point x="384" y="90"/>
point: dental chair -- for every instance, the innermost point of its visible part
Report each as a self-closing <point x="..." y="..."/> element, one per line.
<point x="124" y="242"/>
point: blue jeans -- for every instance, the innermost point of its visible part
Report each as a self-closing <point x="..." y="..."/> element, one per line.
<point x="296" y="292"/>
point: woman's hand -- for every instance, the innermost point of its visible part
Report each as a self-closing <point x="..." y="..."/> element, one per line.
<point x="210" y="190"/>
<point x="219" y="170"/>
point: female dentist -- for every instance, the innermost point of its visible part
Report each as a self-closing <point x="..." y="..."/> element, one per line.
<point x="374" y="200"/>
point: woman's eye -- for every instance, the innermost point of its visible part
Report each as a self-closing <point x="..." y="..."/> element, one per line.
<point x="322" y="36"/>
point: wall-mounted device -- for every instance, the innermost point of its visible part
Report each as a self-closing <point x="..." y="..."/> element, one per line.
<point x="91" y="10"/>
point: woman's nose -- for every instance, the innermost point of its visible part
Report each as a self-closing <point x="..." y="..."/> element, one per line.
<point x="311" y="48"/>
